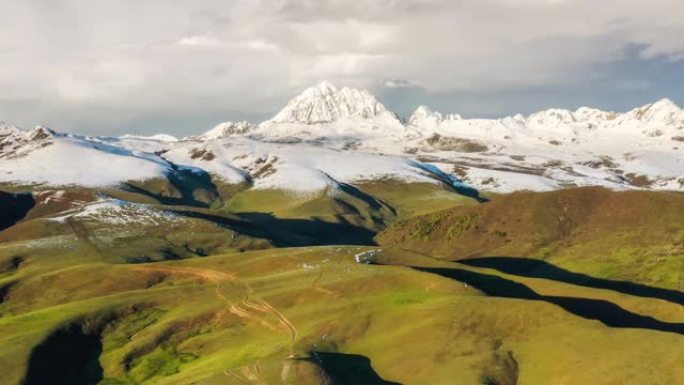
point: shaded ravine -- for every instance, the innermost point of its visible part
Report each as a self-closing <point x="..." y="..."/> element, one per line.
<point x="451" y="181"/>
<point x="14" y="207"/>
<point x="288" y="232"/>
<point x="349" y="369"/>
<point x="603" y="311"/>
<point x="535" y="268"/>
<point x="69" y="356"/>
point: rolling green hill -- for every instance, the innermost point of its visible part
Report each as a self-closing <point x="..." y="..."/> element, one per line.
<point x="575" y="286"/>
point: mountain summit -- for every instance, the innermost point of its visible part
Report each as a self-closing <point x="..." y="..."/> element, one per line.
<point x="325" y="103"/>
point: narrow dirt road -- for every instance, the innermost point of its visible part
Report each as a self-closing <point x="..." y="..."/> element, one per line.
<point x="254" y="309"/>
<point x="206" y="274"/>
<point x="258" y="310"/>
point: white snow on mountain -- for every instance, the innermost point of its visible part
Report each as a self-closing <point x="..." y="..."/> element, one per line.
<point x="115" y="212"/>
<point x="226" y="129"/>
<point x="325" y="103"/>
<point x="326" y="136"/>
<point x="296" y="167"/>
<point x="158" y="137"/>
<point x="40" y="156"/>
<point x="662" y="112"/>
<point x="423" y="116"/>
<point x="8" y="129"/>
<point x="321" y="113"/>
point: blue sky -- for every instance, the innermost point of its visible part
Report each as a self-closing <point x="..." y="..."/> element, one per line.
<point x="111" y="67"/>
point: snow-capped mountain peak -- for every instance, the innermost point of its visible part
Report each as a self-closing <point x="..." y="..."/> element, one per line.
<point x="552" y="117"/>
<point x="39" y="133"/>
<point x="9" y="129"/>
<point x="593" y="115"/>
<point x="662" y="111"/>
<point x="424" y="116"/>
<point x="325" y="103"/>
<point x="324" y="87"/>
<point x="226" y="129"/>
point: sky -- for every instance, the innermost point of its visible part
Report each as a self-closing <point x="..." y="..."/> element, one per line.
<point x="145" y="66"/>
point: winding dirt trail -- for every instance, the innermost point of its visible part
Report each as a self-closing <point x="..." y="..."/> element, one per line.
<point x="258" y="309"/>
<point x="255" y="309"/>
<point x="206" y="274"/>
<point x="286" y="322"/>
<point x="250" y="375"/>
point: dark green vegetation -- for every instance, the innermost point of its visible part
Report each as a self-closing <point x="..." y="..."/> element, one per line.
<point x="195" y="282"/>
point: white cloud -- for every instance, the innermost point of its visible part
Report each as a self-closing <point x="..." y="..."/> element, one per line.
<point x="205" y="40"/>
<point x="398" y="83"/>
<point x="261" y="45"/>
<point x="157" y="57"/>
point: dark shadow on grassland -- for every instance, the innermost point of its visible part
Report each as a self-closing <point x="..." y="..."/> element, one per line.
<point x="290" y="232"/>
<point x="373" y="203"/>
<point x="451" y="181"/>
<point x="14" y="207"/>
<point x="188" y="183"/>
<point x="69" y="356"/>
<point x="349" y="369"/>
<point x="311" y="232"/>
<point x="163" y="199"/>
<point x="469" y="192"/>
<point x="606" y="312"/>
<point x="535" y="268"/>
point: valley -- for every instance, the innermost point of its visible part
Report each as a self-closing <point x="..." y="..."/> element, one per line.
<point x="337" y="243"/>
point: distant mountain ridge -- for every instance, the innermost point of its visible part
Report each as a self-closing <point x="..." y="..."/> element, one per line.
<point x="326" y="137"/>
<point x="324" y="104"/>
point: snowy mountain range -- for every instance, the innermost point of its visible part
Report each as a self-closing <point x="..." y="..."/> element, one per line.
<point x="326" y="136"/>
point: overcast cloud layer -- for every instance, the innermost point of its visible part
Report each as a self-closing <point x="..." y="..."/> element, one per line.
<point x="109" y="67"/>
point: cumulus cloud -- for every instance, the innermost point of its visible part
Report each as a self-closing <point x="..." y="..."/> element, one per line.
<point x="205" y="40"/>
<point x="397" y="83"/>
<point x="59" y="61"/>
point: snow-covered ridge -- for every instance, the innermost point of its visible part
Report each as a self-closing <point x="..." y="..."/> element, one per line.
<point x="226" y="129"/>
<point x="325" y="103"/>
<point x="423" y="116"/>
<point x="42" y="156"/>
<point x="326" y="111"/>
<point x="158" y="137"/>
<point x="544" y="150"/>
<point x="327" y="136"/>
<point x="663" y="112"/>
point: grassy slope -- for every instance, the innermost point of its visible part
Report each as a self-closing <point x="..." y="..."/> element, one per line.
<point x="230" y="317"/>
<point x="634" y="235"/>
<point x="175" y="322"/>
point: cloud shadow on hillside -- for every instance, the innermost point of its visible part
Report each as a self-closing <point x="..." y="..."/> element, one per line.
<point x="349" y="369"/>
<point x="14" y="207"/>
<point x="534" y="268"/>
<point x="290" y="232"/>
<point x="603" y="311"/>
<point x="69" y="356"/>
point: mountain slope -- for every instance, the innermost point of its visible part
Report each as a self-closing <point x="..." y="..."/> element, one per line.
<point x="546" y="150"/>
<point x="352" y="138"/>
<point x="324" y="103"/>
<point x="43" y="156"/>
<point x="587" y="228"/>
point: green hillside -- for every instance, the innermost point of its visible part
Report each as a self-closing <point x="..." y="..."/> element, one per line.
<point x="575" y="286"/>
